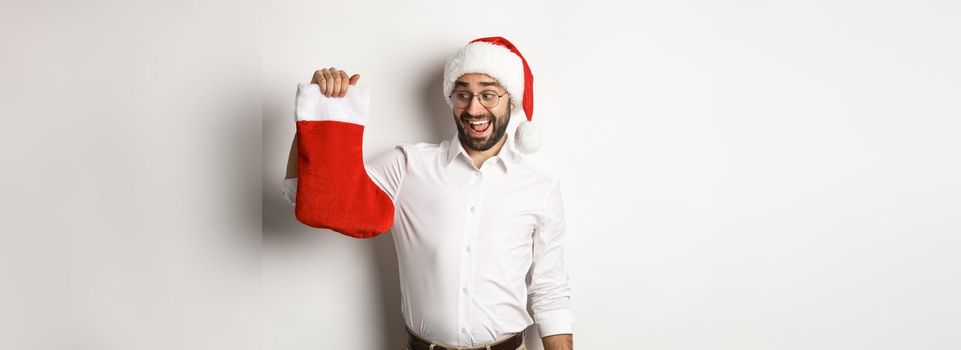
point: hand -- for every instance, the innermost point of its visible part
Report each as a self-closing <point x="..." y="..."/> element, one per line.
<point x="333" y="82"/>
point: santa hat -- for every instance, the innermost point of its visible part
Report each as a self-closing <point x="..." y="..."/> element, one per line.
<point x="498" y="58"/>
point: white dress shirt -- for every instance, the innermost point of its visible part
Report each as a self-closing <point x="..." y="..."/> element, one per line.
<point x="473" y="244"/>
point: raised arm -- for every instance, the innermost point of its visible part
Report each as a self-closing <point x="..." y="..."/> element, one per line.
<point x="334" y="188"/>
<point x="292" y="160"/>
<point x="289" y="187"/>
<point x="333" y="82"/>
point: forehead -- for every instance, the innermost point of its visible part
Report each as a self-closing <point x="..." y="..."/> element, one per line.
<point x="476" y="81"/>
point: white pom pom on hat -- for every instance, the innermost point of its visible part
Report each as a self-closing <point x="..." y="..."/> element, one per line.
<point x="498" y="58"/>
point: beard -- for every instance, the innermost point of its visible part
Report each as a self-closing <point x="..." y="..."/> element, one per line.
<point x="482" y="144"/>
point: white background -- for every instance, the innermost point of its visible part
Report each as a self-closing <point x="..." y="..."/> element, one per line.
<point x="745" y="175"/>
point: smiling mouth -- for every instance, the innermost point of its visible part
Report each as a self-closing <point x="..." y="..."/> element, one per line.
<point x="479" y="126"/>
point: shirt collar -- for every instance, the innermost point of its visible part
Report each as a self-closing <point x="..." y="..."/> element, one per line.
<point x="506" y="155"/>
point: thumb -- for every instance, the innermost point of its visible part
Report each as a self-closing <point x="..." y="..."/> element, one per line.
<point x="354" y="79"/>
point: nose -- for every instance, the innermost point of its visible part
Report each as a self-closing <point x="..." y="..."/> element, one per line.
<point x="475" y="107"/>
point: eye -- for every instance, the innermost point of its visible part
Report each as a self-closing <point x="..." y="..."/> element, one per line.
<point x="487" y="96"/>
<point x="462" y="96"/>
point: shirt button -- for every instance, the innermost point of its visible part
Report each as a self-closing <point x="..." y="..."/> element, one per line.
<point x="467" y="249"/>
<point x="465" y="290"/>
<point x="463" y="330"/>
<point x="472" y="209"/>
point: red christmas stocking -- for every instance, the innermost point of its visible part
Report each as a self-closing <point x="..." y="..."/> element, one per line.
<point x="333" y="190"/>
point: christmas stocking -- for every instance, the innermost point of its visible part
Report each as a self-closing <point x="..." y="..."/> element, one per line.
<point x="333" y="190"/>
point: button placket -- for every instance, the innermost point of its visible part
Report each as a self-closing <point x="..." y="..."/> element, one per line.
<point x="472" y="197"/>
<point x="473" y="216"/>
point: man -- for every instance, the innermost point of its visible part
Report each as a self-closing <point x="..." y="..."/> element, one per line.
<point x="478" y="229"/>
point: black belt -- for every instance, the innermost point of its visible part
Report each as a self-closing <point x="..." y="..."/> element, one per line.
<point x="512" y="343"/>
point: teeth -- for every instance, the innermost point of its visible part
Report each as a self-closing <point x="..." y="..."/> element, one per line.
<point x="479" y="123"/>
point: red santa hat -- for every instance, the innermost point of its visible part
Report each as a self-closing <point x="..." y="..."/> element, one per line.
<point x="498" y="58"/>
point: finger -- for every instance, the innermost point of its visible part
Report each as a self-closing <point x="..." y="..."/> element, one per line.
<point x="330" y="82"/>
<point x="337" y="82"/>
<point x="343" y="82"/>
<point x="319" y="79"/>
<point x="354" y="79"/>
<point x="322" y="81"/>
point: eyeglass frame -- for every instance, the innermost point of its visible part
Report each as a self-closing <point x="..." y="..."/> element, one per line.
<point x="451" y="96"/>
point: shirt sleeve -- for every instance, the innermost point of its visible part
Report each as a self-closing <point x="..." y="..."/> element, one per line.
<point x="386" y="171"/>
<point x="289" y="190"/>
<point x="548" y="289"/>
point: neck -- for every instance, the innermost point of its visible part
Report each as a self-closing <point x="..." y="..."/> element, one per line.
<point x="478" y="157"/>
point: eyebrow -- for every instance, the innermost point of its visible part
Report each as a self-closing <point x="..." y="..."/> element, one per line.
<point x="461" y="83"/>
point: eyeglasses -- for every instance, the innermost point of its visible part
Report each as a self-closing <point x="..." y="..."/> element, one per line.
<point x="487" y="98"/>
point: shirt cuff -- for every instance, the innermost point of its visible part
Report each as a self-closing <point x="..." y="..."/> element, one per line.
<point x="555" y="322"/>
